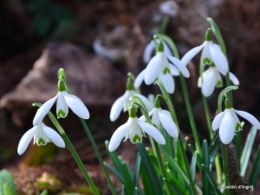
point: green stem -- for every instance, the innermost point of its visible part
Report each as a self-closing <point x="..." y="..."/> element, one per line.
<point x="217" y="159"/>
<point x="74" y="153"/>
<point x="190" y="114"/>
<point x="224" y="160"/>
<point x="92" y="141"/>
<point x="173" y="114"/>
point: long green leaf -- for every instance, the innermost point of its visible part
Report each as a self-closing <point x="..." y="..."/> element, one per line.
<point x="136" y="173"/>
<point x="153" y="178"/>
<point x="213" y="150"/>
<point x="205" y="159"/>
<point x="175" y="187"/>
<point x="116" y="172"/>
<point x="255" y="170"/>
<point x="193" y="165"/>
<point x="7" y="183"/>
<point x="247" y="150"/>
<point x="114" y="157"/>
<point x="199" y="159"/>
<point x="128" y="182"/>
<point x="211" y="180"/>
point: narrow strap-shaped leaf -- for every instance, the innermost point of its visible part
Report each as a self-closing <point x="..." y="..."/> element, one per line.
<point x="205" y="159"/>
<point x="211" y="180"/>
<point x="114" y="157"/>
<point x="213" y="150"/>
<point x="138" y="191"/>
<point x="199" y="159"/>
<point x="116" y="172"/>
<point x="174" y="187"/>
<point x="255" y="170"/>
<point x="128" y="183"/>
<point x="247" y="151"/>
<point x="136" y="173"/>
<point x="44" y="192"/>
<point x="145" y="180"/>
<point x="153" y="178"/>
<point x="193" y="165"/>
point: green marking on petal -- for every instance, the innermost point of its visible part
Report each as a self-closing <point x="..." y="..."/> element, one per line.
<point x="136" y="139"/>
<point x="219" y="84"/>
<point x="61" y="113"/>
<point x="41" y="142"/>
<point x="207" y="61"/>
<point x="166" y="70"/>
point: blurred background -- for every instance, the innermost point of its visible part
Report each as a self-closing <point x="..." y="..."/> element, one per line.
<point x="98" y="42"/>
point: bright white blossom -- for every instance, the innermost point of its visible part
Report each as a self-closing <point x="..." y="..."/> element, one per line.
<point x="170" y="8"/>
<point x="159" y="67"/>
<point x="64" y="102"/>
<point x="134" y="129"/>
<point x="215" y="58"/>
<point x="123" y="102"/>
<point x="42" y="135"/>
<point x="162" y="118"/>
<point x="227" y="122"/>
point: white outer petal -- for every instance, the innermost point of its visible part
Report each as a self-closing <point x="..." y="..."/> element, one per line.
<point x="25" y="140"/>
<point x="190" y="54"/>
<point x="146" y="102"/>
<point x="209" y="82"/>
<point x="180" y="66"/>
<point x="227" y="128"/>
<point x="168" y="82"/>
<point x="43" y="110"/>
<point x="153" y="69"/>
<point x="61" y="105"/>
<point x="168" y="124"/>
<point x="76" y="105"/>
<point x="217" y="120"/>
<point x="174" y="70"/>
<point x="233" y="78"/>
<point x="249" y="117"/>
<point x="218" y="58"/>
<point x="53" y="136"/>
<point x="155" y="117"/>
<point x="118" y="136"/>
<point x="139" y="79"/>
<point x="199" y="83"/>
<point x="167" y="50"/>
<point x="152" y="131"/>
<point x="117" y="107"/>
<point x="150" y="47"/>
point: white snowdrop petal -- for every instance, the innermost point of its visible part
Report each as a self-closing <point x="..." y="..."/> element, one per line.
<point x="249" y="117"/>
<point x="169" y="8"/>
<point x="190" y="54"/>
<point x="168" y="82"/>
<point x="227" y="128"/>
<point x="150" y="47"/>
<point x="43" y="110"/>
<point x="217" y="120"/>
<point x="209" y="82"/>
<point x="167" y="50"/>
<point x="142" y="118"/>
<point x="174" y="70"/>
<point x="199" y="83"/>
<point x="139" y="79"/>
<point x="168" y="124"/>
<point x="76" y="105"/>
<point x="152" y="131"/>
<point x="62" y="108"/>
<point x="117" y="107"/>
<point x="218" y="58"/>
<point x="180" y="66"/>
<point x="117" y="136"/>
<point x="53" y="136"/>
<point x="233" y="78"/>
<point x="152" y="69"/>
<point x="155" y="118"/>
<point x="25" y="140"/>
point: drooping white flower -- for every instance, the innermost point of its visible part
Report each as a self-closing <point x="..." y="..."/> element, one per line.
<point x="134" y="129"/>
<point x="162" y="118"/>
<point x="159" y="67"/>
<point x="170" y="8"/>
<point x="64" y="102"/>
<point x="123" y="102"/>
<point x="228" y="123"/>
<point x="42" y="135"/>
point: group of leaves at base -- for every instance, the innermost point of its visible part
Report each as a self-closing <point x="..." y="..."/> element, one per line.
<point x="152" y="183"/>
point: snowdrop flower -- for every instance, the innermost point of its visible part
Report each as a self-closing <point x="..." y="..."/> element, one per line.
<point x="123" y="102"/>
<point x="214" y="57"/>
<point x="42" y="135"/>
<point x="162" y="118"/>
<point x="227" y="122"/>
<point x="64" y="101"/>
<point x="169" y="8"/>
<point x="159" y="67"/>
<point x="134" y="129"/>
